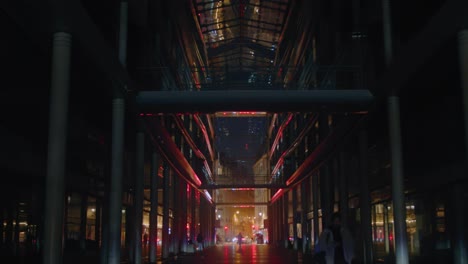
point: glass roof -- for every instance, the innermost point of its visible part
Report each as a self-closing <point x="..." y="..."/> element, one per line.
<point x="241" y="37"/>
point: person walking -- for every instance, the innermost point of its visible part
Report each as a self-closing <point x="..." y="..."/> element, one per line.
<point x="336" y="243"/>
<point x="239" y="239"/>
<point x="200" y="241"/>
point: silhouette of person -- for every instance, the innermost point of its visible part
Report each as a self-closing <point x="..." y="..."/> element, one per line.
<point x="239" y="239"/>
<point x="200" y="241"/>
<point x="336" y="242"/>
<point x="145" y="239"/>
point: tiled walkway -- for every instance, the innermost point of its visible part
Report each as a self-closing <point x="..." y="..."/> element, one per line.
<point x="248" y="253"/>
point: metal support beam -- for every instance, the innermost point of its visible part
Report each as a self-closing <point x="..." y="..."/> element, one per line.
<point x="294" y="214"/>
<point x="254" y="100"/>
<point x="55" y="179"/>
<point x="463" y="61"/>
<point x="153" y="235"/>
<point x="343" y="189"/>
<point x="326" y="190"/>
<point x="139" y="179"/>
<point x="165" y="224"/>
<point x="398" y="190"/>
<point x="315" y="206"/>
<point x="304" y="208"/>
<point x="115" y="196"/>
<point x="365" y="199"/>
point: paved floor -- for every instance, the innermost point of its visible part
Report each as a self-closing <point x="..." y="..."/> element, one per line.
<point x="219" y="254"/>
<point x="248" y="253"/>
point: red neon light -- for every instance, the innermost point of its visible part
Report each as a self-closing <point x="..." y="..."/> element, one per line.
<point x="277" y="195"/>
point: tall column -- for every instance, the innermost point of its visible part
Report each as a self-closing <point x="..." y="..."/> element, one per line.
<point x="139" y="189"/>
<point x="17" y="231"/>
<point x="193" y="204"/>
<point x="83" y="218"/>
<point x="97" y="223"/>
<point x="9" y="229"/>
<point x="175" y="230"/>
<point x="463" y="60"/>
<point x="153" y="235"/>
<point x="315" y="201"/>
<point x="286" y="219"/>
<point x="460" y="246"/>
<point x="2" y="220"/>
<point x="294" y="214"/>
<point x="326" y="192"/>
<point x="398" y="195"/>
<point x="364" y="199"/>
<point x="387" y="31"/>
<point x="183" y="216"/>
<point x="274" y="225"/>
<point x="459" y="222"/>
<point x="304" y="207"/>
<point x="105" y="220"/>
<point x="118" y="115"/>
<point x="343" y="185"/>
<point x="129" y="242"/>
<point x="386" y="230"/>
<point x="55" y="188"/>
<point x="115" y="193"/>
<point x="123" y="32"/>
<point x="393" y="103"/>
<point x="165" y="226"/>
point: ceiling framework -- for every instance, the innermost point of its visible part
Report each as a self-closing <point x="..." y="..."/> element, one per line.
<point x="241" y="37"/>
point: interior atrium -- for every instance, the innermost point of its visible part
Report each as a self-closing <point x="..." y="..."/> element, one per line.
<point x="130" y="127"/>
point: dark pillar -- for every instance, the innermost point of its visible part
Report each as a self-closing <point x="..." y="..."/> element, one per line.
<point x="459" y="224"/>
<point x="154" y="208"/>
<point x="364" y="199"/>
<point x="104" y="256"/>
<point x="2" y="220"/>
<point x="139" y="186"/>
<point x="55" y="188"/>
<point x="130" y="231"/>
<point x="17" y="231"/>
<point x="183" y="216"/>
<point x="343" y="189"/>
<point x="115" y="193"/>
<point x="165" y="226"/>
<point x="460" y="245"/>
<point x="83" y="218"/>
<point x="398" y="195"/>
<point x="9" y="230"/>
<point x="97" y="223"/>
<point x="193" y="225"/>
<point x="326" y="192"/>
<point x="315" y="201"/>
<point x="463" y="61"/>
<point x="286" y="219"/>
<point x="304" y="208"/>
<point x="393" y="102"/>
<point x="118" y="114"/>
<point x="294" y="217"/>
<point x="386" y="230"/>
<point x="175" y="230"/>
